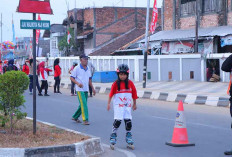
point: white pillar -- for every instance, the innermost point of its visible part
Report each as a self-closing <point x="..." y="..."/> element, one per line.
<point x="223" y="76"/>
<point x="202" y="70"/>
<point x="98" y="66"/>
<point x="137" y="72"/>
<point x="159" y="70"/>
<point x="181" y="70"/>
<point x="115" y="63"/>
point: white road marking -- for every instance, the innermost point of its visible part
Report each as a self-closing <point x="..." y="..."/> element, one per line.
<point x="191" y="123"/>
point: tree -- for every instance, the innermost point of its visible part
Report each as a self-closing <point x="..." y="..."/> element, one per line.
<point x="63" y="44"/>
<point x="12" y="86"/>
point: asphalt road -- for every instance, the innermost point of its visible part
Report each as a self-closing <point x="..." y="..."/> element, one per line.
<point x="153" y="123"/>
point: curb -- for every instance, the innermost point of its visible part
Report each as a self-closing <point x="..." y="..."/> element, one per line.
<point x="171" y="97"/>
<point x="90" y="147"/>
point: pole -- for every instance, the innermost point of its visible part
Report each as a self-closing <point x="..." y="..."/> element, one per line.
<point x="1" y="36"/>
<point x="196" y="28"/>
<point x="146" y="46"/>
<point x="34" y="77"/>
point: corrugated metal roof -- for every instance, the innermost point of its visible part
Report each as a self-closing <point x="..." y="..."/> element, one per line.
<point x="190" y="33"/>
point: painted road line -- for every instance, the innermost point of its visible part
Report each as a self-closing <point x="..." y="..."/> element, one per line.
<point x="197" y="124"/>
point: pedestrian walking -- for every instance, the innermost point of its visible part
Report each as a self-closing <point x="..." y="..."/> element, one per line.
<point x="10" y="66"/>
<point x="123" y="92"/>
<point x="5" y="64"/>
<point x="31" y="76"/>
<point x="57" y="76"/>
<point x="43" y="77"/>
<point x="25" y="68"/>
<point x="227" y="67"/>
<point x="72" y="83"/>
<point x="16" y="63"/>
<point x="1" y="68"/>
<point x="81" y="76"/>
<point x="92" y="70"/>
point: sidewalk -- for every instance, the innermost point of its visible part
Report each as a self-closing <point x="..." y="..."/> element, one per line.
<point x="191" y="92"/>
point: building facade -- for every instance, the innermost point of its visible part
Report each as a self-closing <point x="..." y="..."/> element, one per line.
<point x="96" y="27"/>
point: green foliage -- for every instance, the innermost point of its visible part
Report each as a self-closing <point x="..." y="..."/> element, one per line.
<point x="12" y="86"/>
<point x="63" y="44"/>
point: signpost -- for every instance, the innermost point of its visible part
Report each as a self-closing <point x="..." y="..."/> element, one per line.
<point x="33" y="24"/>
<point x="34" y="7"/>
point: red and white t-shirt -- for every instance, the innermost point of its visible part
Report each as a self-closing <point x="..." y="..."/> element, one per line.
<point x="123" y="99"/>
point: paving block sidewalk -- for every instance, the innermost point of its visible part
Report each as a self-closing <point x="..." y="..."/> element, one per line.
<point x="191" y="92"/>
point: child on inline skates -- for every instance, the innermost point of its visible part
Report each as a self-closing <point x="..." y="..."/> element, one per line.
<point x="123" y="91"/>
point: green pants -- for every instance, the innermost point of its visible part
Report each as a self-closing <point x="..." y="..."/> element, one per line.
<point x="83" y="108"/>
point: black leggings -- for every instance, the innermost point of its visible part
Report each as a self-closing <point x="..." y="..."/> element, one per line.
<point x="57" y="84"/>
<point x="44" y="85"/>
<point x="73" y="87"/>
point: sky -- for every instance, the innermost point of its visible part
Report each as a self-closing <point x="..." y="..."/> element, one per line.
<point x="59" y="7"/>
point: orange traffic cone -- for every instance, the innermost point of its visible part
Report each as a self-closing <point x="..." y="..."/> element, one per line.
<point x="180" y="135"/>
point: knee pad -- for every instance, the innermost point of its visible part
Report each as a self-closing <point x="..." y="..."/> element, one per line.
<point x="117" y="123"/>
<point x="128" y="124"/>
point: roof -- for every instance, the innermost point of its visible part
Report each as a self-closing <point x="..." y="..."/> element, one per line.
<point x="118" y="43"/>
<point x="55" y="28"/>
<point x="190" y="33"/>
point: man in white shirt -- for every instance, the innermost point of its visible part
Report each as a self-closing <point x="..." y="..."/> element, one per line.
<point x="81" y="76"/>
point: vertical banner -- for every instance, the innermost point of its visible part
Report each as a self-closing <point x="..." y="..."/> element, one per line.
<point x="13" y="31"/>
<point x="38" y="31"/>
<point x="69" y="37"/>
<point x="154" y="17"/>
<point x="30" y="52"/>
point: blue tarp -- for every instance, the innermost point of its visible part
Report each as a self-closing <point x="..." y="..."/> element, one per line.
<point x="8" y="56"/>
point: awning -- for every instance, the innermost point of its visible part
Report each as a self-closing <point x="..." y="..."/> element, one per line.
<point x="85" y="34"/>
<point x="189" y="34"/>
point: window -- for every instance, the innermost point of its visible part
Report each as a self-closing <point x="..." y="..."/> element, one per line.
<point x="188" y="7"/>
<point x="210" y="6"/>
<point x="54" y="44"/>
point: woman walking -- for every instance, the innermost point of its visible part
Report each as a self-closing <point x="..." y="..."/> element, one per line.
<point x="57" y="76"/>
<point x="25" y="68"/>
<point x="31" y="76"/>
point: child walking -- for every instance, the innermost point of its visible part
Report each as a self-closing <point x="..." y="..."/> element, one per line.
<point x="123" y="92"/>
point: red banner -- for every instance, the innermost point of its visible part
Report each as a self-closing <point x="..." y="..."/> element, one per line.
<point x="154" y="17"/>
<point x="38" y="32"/>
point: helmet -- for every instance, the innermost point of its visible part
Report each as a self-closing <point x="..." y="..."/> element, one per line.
<point x="123" y="68"/>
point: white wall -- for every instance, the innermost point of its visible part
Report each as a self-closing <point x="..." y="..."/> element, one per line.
<point x="109" y="63"/>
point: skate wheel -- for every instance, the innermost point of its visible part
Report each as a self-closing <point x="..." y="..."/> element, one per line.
<point x="112" y="147"/>
<point x="131" y="146"/>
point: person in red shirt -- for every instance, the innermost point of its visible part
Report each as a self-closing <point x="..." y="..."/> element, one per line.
<point x="123" y="92"/>
<point x="43" y="77"/>
<point x="25" y="68"/>
<point x="57" y="76"/>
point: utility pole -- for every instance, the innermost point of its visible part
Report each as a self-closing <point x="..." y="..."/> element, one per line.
<point x="34" y="77"/>
<point x="196" y="28"/>
<point x="146" y="46"/>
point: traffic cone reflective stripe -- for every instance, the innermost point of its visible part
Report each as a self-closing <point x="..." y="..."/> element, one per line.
<point x="180" y="135"/>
